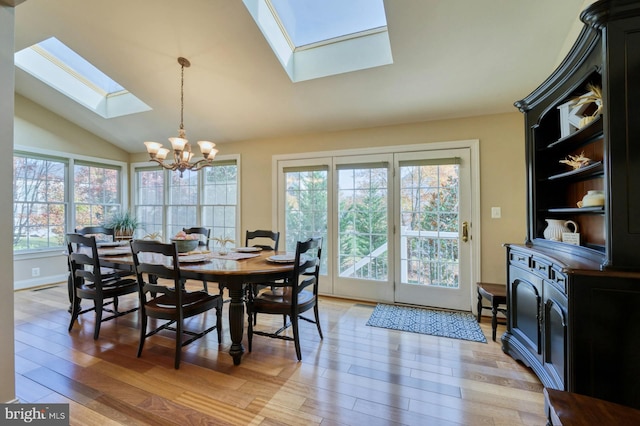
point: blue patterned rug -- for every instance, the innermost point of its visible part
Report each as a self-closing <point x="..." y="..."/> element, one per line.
<point x="456" y="325"/>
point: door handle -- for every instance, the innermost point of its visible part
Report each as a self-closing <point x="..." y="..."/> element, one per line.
<point x="465" y="231"/>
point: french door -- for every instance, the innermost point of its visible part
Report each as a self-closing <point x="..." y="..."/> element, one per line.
<point x="396" y="226"/>
<point x="433" y="215"/>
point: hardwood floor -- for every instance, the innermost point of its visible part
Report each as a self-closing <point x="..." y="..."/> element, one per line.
<point x="356" y="375"/>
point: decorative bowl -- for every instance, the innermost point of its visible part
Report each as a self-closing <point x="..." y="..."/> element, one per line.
<point x="593" y="198"/>
<point x="185" y="245"/>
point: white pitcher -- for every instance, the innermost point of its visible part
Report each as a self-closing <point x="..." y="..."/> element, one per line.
<point x="555" y="228"/>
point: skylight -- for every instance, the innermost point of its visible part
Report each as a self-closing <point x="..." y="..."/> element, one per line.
<point x="318" y="38"/>
<point x="55" y="64"/>
<point x="310" y="21"/>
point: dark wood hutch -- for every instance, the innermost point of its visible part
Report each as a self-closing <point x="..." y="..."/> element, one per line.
<point x="574" y="310"/>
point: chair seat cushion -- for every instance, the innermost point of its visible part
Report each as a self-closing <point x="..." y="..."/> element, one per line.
<point x="268" y="301"/>
<point x="109" y="288"/>
<point x="193" y="303"/>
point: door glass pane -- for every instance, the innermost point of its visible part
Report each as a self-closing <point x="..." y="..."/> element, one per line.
<point x="306" y="209"/>
<point x="363" y="223"/>
<point x="429" y="252"/>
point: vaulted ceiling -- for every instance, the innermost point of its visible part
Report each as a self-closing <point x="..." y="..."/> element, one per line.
<point x="451" y="58"/>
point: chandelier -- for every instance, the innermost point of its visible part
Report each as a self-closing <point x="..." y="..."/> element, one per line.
<point x="181" y="148"/>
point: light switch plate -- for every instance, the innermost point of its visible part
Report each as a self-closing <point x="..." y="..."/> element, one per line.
<point x="496" y="212"/>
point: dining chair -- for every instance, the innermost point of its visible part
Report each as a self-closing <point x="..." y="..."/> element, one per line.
<point x="266" y="240"/>
<point x="203" y="242"/>
<point x="168" y="299"/>
<point x="205" y="234"/>
<point x="100" y="232"/>
<point x="300" y="294"/>
<point x="88" y="281"/>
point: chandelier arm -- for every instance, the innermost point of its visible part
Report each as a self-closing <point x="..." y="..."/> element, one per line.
<point x="201" y="164"/>
<point x="171" y="167"/>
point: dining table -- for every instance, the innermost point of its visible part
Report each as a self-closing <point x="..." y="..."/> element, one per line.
<point x="233" y="270"/>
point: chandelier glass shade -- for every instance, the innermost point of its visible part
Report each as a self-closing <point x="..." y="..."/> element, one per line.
<point x="182" y="153"/>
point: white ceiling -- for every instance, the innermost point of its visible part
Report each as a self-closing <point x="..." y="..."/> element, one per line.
<point x="452" y="58"/>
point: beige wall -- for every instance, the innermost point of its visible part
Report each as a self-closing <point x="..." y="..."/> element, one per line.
<point x="37" y="127"/>
<point x="502" y="171"/>
<point x="502" y="167"/>
<point x="7" y="366"/>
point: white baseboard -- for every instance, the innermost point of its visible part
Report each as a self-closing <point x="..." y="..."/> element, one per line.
<point x="39" y="281"/>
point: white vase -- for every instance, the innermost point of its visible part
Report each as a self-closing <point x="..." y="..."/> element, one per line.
<point x="555" y="228"/>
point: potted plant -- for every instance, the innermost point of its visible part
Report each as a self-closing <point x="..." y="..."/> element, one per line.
<point x="123" y="224"/>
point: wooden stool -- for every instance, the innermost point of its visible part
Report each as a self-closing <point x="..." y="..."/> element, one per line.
<point x="496" y="294"/>
<point x="570" y="409"/>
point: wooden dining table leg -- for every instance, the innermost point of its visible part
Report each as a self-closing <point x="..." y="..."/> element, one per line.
<point x="236" y="322"/>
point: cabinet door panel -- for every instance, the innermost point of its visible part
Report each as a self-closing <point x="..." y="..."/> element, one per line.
<point x="555" y="336"/>
<point x="623" y="62"/>
<point x="526" y="304"/>
<point x="605" y="357"/>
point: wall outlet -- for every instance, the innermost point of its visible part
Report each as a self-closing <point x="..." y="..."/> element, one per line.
<point x="35" y="272"/>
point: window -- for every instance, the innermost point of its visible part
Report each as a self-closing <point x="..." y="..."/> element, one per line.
<point x="54" y="195"/>
<point x="40" y="204"/>
<point x="309" y="22"/>
<point x="96" y="194"/>
<point x="149" y="184"/>
<point x="220" y="199"/>
<point x="165" y="202"/>
<point x="182" y="208"/>
<point x="319" y="38"/>
<point x="55" y="64"/>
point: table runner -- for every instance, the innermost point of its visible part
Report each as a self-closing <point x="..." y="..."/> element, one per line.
<point x="232" y="255"/>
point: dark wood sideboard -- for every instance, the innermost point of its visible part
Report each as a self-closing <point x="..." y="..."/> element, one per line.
<point x="574" y="309"/>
